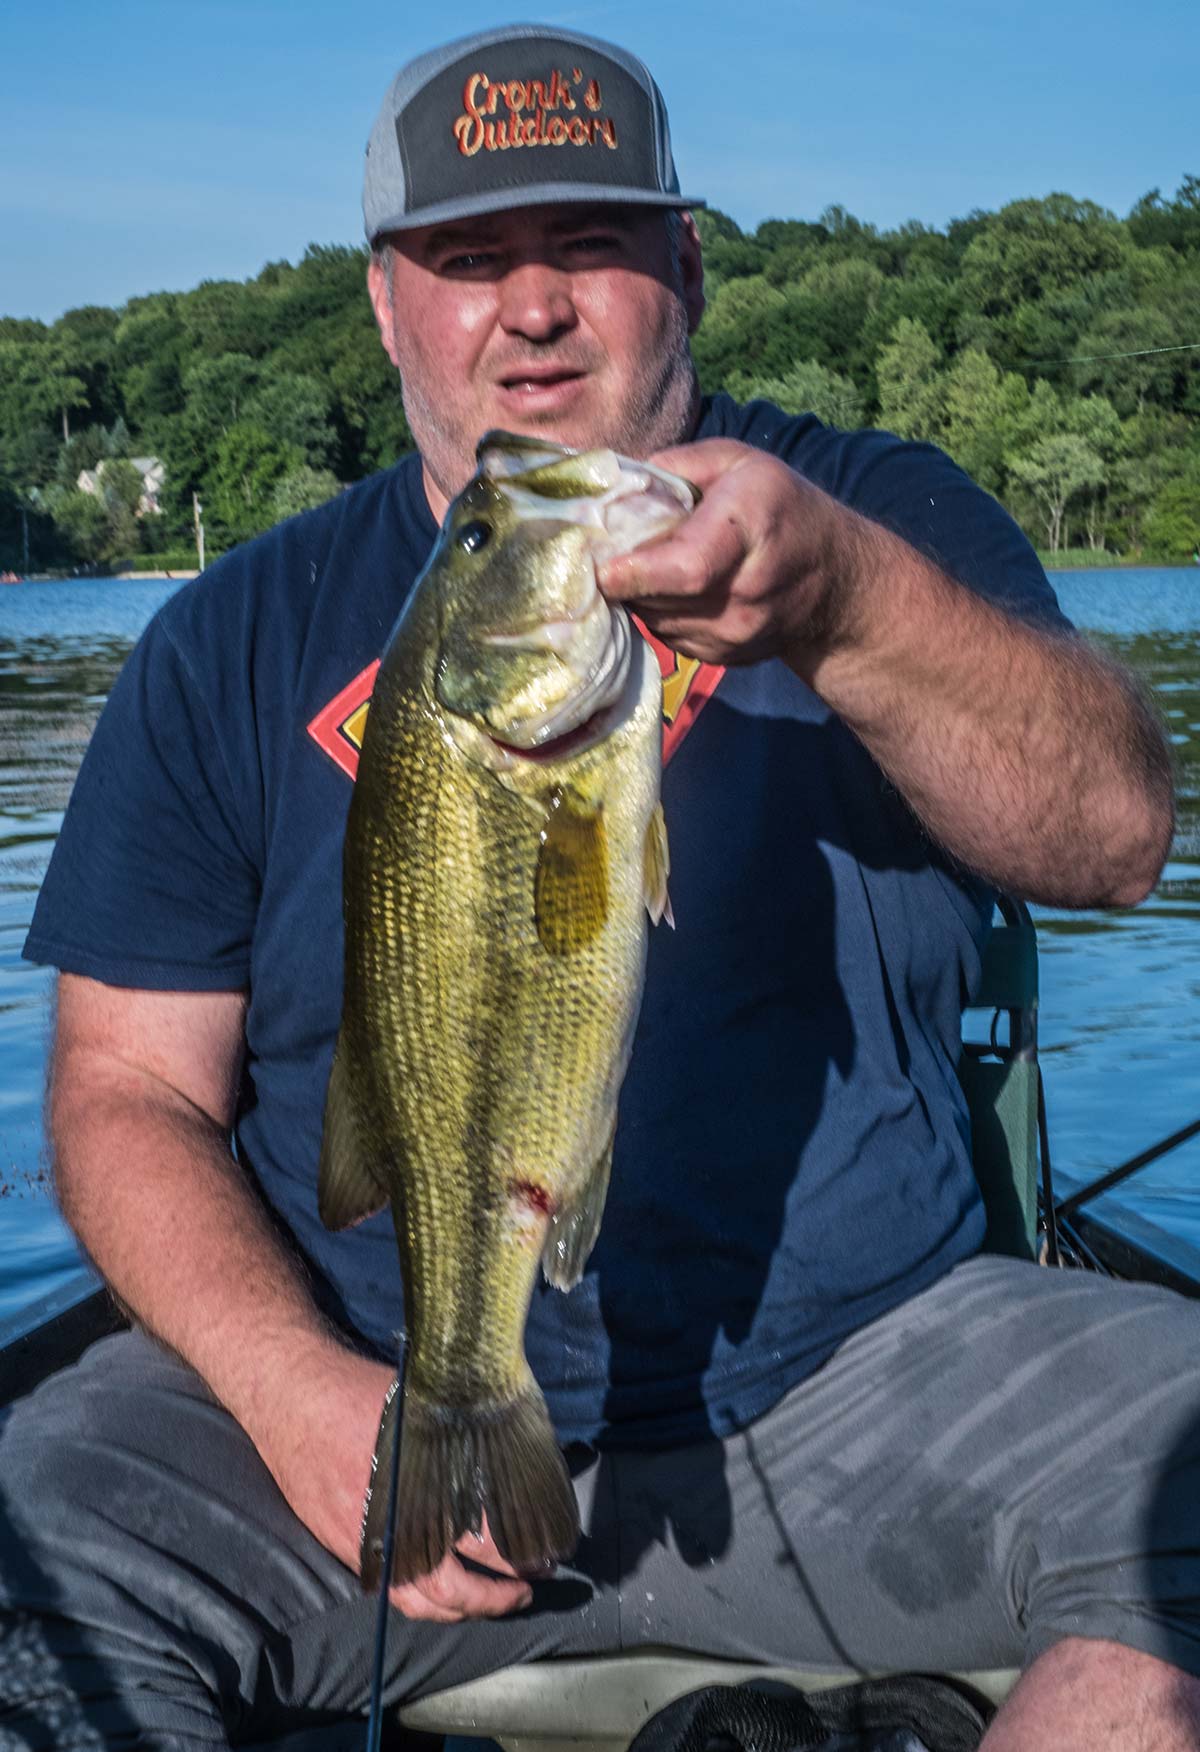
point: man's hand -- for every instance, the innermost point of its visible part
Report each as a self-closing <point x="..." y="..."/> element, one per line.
<point x="1027" y="756"/>
<point x="318" y="1448"/>
<point x="758" y="569"/>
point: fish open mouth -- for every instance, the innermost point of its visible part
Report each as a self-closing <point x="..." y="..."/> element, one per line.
<point x="593" y="729"/>
<point x="567" y="685"/>
<point x="588" y="714"/>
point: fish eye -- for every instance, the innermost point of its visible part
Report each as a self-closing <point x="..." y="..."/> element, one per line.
<point x="474" y="535"/>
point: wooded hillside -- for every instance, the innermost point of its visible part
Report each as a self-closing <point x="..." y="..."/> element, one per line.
<point x="994" y="337"/>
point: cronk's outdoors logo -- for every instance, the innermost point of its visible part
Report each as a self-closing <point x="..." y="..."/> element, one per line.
<point x="564" y="110"/>
<point x="687" y="688"/>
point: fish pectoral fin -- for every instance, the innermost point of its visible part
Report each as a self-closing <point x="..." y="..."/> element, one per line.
<point x="575" y="1226"/>
<point x="656" y="865"/>
<point x="347" y="1190"/>
<point x="570" y="885"/>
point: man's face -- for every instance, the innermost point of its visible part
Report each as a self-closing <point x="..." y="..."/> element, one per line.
<point x="562" y="322"/>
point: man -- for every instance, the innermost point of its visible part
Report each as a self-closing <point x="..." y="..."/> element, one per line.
<point x="805" y="1422"/>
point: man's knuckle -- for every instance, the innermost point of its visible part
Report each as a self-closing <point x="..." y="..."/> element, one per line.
<point x="693" y="572"/>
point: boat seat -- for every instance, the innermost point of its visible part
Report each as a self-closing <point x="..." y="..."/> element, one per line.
<point x="599" y="1704"/>
<point x="1001" y="1079"/>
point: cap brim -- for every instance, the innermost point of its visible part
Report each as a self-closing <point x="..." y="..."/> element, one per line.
<point x="549" y="194"/>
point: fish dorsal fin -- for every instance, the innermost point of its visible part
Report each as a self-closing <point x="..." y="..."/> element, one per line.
<point x="657" y="867"/>
<point x="347" y="1190"/>
<point x="570" y="885"/>
<point x="576" y="1224"/>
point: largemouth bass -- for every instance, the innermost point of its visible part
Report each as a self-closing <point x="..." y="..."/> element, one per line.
<point x="504" y="850"/>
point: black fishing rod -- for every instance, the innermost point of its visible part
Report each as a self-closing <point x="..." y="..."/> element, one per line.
<point x="1065" y="1207"/>
<point x="375" y="1712"/>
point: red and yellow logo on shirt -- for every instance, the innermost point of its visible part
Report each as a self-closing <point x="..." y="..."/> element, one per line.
<point x="688" y="685"/>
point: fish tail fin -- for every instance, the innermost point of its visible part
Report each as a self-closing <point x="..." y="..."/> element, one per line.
<point x="454" y="1465"/>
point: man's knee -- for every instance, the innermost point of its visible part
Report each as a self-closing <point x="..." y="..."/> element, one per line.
<point x="1083" y="1692"/>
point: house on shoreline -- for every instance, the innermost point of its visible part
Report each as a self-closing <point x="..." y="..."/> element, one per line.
<point x="152" y="471"/>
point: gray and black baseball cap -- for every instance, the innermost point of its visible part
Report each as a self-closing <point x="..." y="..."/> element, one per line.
<point x="517" y="117"/>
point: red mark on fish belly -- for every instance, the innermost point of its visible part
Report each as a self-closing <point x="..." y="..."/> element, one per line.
<point x="536" y="1198"/>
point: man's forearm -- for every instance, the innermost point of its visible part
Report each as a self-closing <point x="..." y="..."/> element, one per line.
<point x="147" y="1181"/>
<point x="1025" y="754"/>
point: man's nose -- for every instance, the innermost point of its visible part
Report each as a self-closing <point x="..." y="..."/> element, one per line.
<point x="536" y="302"/>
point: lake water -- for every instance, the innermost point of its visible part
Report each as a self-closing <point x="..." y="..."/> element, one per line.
<point x="1120" y="1017"/>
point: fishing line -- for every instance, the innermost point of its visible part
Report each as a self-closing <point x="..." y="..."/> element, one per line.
<point x="375" y="1714"/>
<point x="1095" y="358"/>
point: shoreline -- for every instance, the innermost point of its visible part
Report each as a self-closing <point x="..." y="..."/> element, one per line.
<point x="125" y="577"/>
<point x="1112" y="564"/>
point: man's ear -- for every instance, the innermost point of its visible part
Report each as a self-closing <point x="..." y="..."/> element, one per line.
<point x="691" y="269"/>
<point x="381" y="302"/>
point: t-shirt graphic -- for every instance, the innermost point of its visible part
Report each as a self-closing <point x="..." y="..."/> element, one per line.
<point x="688" y="685"/>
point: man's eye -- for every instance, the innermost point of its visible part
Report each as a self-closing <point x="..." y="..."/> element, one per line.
<point x="474" y="261"/>
<point x="594" y="243"/>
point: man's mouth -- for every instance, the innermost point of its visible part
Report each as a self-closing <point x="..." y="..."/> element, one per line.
<point x="533" y="379"/>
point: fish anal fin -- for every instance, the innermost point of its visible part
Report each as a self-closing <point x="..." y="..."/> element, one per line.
<point x="347" y="1191"/>
<point x="570" y="888"/>
<point x="657" y="867"/>
<point x="575" y="1226"/>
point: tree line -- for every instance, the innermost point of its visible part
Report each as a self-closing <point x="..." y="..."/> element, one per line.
<point x="1049" y="347"/>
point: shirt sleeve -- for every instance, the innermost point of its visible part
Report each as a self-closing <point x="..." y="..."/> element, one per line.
<point x="916" y="491"/>
<point x="151" y="883"/>
<point x="921" y="495"/>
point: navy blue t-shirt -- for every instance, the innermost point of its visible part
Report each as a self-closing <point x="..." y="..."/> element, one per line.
<point x="791" y="1157"/>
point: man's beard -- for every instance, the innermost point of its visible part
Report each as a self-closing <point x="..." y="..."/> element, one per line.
<point x="658" y="411"/>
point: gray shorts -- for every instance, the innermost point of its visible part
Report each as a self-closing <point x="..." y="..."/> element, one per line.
<point x="1011" y="1458"/>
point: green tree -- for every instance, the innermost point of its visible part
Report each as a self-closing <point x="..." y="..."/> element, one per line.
<point x="1056" y="469"/>
<point x="149" y="351"/>
<point x="1121" y="357"/>
<point x="716" y="227"/>
<point x="295" y="408"/>
<point x="832" y="307"/>
<point x="247" y="466"/>
<point x="1174" y="224"/>
<point x="1154" y="450"/>
<point x="81" y="520"/>
<point x="217" y="391"/>
<point x="741" y="331"/>
<point x="912" y="389"/>
<point x="38" y="392"/>
<point x="120" y="494"/>
<point x="1094" y="419"/>
<point x="1172" y="527"/>
<point x="302" y="489"/>
<point x="1032" y="247"/>
<point x="87" y="338"/>
<point x="368" y="404"/>
<point x="806" y="388"/>
<point x="984" y="409"/>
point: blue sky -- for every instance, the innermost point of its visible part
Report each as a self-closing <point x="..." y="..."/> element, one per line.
<point x="150" y="144"/>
